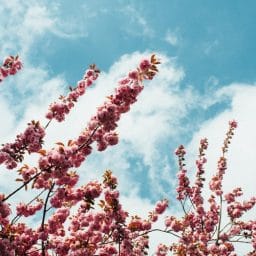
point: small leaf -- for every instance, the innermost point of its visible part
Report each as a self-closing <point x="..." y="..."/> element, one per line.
<point x="42" y="152"/>
<point x="60" y="144"/>
<point x="152" y="59"/>
<point x="101" y="203"/>
<point x="70" y="143"/>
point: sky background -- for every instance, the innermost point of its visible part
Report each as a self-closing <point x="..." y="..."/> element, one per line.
<point x="207" y="77"/>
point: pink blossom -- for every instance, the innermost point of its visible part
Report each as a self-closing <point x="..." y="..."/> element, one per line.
<point x="161" y="206"/>
<point x="11" y="66"/>
<point x="144" y="64"/>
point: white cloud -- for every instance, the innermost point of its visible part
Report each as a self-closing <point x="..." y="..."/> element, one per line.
<point x="23" y="23"/>
<point x="138" y="24"/>
<point x="212" y="81"/>
<point x="37" y="19"/>
<point x="171" y="38"/>
<point x="240" y="155"/>
<point x="8" y="117"/>
<point x="20" y="24"/>
<point x="210" y="46"/>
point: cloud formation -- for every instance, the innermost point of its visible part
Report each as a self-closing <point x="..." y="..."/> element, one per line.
<point x="171" y="38"/>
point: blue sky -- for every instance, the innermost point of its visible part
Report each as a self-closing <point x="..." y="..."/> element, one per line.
<point x="207" y="78"/>
<point x="212" y="39"/>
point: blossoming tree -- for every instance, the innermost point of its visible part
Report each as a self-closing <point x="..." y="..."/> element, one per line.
<point x="98" y="225"/>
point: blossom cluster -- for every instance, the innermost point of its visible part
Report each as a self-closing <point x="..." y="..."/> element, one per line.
<point x="10" y="66"/>
<point x="30" y="140"/>
<point x="104" y="231"/>
<point x="58" y="110"/>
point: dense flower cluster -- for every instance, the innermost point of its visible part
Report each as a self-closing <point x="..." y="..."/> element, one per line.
<point x="89" y="232"/>
<point x="27" y="210"/>
<point x="30" y="140"/>
<point x="10" y="66"/>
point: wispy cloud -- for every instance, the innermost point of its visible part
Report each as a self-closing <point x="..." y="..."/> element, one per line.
<point x="138" y="24"/>
<point x="210" y="46"/>
<point x="242" y="105"/>
<point x="23" y="23"/>
<point x="171" y="38"/>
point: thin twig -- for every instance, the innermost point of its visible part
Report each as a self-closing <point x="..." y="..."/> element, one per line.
<point x="22" y="186"/>
<point x="19" y="215"/>
<point x="44" y="215"/>
<point x="219" y="224"/>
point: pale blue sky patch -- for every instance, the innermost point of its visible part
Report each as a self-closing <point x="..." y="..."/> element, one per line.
<point x="171" y="38"/>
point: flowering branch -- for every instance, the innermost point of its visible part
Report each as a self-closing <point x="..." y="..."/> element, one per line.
<point x="43" y="218"/>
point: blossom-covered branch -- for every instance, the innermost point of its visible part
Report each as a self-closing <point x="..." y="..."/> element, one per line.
<point x="58" y="110"/>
